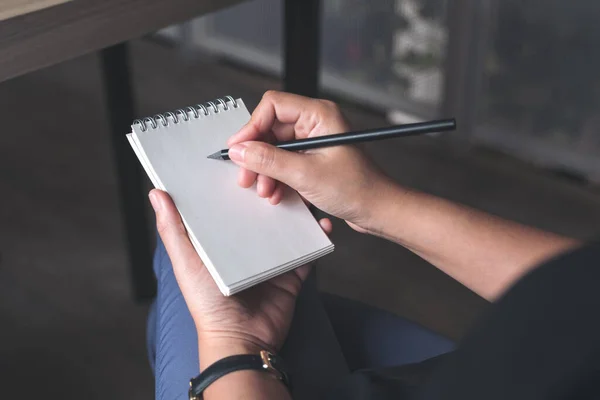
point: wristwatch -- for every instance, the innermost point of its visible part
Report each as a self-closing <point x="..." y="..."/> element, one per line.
<point x="265" y="361"/>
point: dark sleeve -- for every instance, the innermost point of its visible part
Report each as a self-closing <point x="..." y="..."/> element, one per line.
<point x="391" y="383"/>
<point x="541" y="340"/>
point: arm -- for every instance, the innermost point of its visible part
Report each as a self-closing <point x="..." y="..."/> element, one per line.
<point x="483" y="252"/>
<point x="245" y="323"/>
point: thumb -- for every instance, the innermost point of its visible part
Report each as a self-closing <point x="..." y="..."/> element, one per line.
<point x="265" y="159"/>
<point x="187" y="266"/>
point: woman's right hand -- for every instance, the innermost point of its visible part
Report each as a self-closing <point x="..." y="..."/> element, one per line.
<point x="339" y="180"/>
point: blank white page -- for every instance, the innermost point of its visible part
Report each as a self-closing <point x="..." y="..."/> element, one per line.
<point x="241" y="235"/>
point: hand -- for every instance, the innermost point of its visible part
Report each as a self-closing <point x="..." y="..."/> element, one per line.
<point x="338" y="180"/>
<point x="255" y="319"/>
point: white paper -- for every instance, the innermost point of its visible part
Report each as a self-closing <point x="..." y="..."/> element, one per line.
<point x="241" y="238"/>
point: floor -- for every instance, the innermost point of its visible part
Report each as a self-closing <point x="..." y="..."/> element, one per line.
<point x="67" y="321"/>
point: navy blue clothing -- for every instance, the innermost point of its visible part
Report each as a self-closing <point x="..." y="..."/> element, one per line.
<point x="330" y="337"/>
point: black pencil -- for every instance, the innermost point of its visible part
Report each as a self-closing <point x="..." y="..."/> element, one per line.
<point x="419" y="128"/>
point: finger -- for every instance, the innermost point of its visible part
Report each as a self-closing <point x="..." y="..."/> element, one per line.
<point x="249" y="132"/>
<point x="283" y="131"/>
<point x="246" y="178"/>
<point x="326" y="225"/>
<point x="187" y="265"/>
<point x="286" y="108"/>
<point x="293" y="169"/>
<point x="265" y="186"/>
<point x="303" y="271"/>
<point x="278" y="193"/>
<point x="269" y="185"/>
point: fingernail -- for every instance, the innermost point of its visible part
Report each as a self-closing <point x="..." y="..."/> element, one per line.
<point x="259" y="187"/>
<point x="236" y="153"/>
<point x="155" y="201"/>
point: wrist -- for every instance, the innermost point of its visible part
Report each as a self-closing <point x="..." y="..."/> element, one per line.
<point x="211" y="350"/>
<point x="382" y="212"/>
<point x="238" y="384"/>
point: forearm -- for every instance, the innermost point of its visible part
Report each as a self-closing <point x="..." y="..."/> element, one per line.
<point x="483" y="252"/>
<point x="239" y="385"/>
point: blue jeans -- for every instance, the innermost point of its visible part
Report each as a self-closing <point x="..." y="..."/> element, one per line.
<point x="330" y="337"/>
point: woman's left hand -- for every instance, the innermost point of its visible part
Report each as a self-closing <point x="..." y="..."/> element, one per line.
<point x="255" y="319"/>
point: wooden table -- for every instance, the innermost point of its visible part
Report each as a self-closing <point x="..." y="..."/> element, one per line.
<point x="50" y="36"/>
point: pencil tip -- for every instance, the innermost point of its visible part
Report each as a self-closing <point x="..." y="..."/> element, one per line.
<point x="216" y="156"/>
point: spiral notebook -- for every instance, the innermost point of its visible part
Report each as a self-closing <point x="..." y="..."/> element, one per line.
<point x="242" y="238"/>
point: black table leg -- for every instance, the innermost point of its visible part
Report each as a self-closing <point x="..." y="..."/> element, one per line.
<point x="132" y="194"/>
<point x="302" y="27"/>
<point x="302" y="50"/>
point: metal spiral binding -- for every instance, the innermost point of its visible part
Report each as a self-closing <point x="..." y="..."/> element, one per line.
<point x="183" y="114"/>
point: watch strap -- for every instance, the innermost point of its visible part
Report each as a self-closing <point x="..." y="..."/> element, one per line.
<point x="265" y="361"/>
